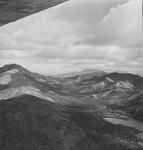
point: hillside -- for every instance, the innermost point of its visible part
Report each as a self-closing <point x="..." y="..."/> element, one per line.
<point x="39" y="111"/>
<point x="28" y="123"/>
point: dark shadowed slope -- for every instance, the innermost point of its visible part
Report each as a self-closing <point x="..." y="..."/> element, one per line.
<point x="12" y="10"/>
<point x="30" y="123"/>
<point x="134" y="106"/>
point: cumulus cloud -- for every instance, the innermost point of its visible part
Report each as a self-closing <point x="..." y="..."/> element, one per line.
<point x="103" y="34"/>
<point x="122" y="26"/>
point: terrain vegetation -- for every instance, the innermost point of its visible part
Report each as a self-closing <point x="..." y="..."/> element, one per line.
<point x="67" y="113"/>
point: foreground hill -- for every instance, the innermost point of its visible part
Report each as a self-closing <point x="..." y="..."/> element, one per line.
<point x="30" y="123"/>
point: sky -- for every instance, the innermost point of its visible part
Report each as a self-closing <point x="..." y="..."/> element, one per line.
<point x="79" y="34"/>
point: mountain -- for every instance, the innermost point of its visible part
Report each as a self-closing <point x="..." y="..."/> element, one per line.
<point x="114" y="87"/>
<point x="16" y="80"/>
<point x="12" y="10"/>
<point x="87" y="87"/>
<point x="28" y="123"/>
<point x="39" y="112"/>
<point x="105" y="91"/>
<point x="94" y="83"/>
<point x="84" y="72"/>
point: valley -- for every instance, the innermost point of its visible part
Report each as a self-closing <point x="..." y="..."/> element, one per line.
<point x="86" y="111"/>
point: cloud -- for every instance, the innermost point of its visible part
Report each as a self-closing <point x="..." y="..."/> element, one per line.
<point x="122" y="26"/>
<point x="108" y="32"/>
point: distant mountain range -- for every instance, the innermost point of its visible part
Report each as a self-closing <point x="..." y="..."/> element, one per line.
<point x="87" y="86"/>
<point x="83" y="72"/>
<point x="67" y="113"/>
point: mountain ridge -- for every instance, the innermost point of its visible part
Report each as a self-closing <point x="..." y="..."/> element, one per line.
<point x="17" y="76"/>
<point x="38" y="112"/>
<point x="101" y="91"/>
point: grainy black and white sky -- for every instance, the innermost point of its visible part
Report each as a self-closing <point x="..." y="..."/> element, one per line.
<point x="79" y="34"/>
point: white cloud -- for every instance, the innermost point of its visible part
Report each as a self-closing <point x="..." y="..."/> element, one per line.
<point x="108" y="32"/>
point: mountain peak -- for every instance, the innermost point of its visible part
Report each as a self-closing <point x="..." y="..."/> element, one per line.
<point x="9" y="67"/>
<point x="90" y="70"/>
